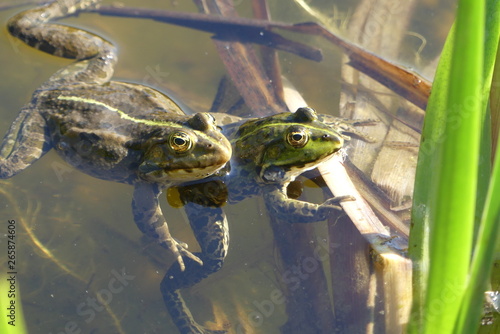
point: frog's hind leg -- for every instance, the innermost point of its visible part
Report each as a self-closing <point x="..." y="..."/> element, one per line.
<point x="96" y="56"/>
<point x="210" y="228"/>
<point x="26" y="141"/>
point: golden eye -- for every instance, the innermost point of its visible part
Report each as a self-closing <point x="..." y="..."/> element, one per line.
<point x="180" y="142"/>
<point x="297" y="138"/>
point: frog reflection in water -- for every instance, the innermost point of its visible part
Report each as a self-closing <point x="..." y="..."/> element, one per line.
<point x="268" y="154"/>
<point x="111" y="130"/>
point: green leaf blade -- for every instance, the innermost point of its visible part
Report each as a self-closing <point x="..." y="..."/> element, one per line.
<point x="446" y="189"/>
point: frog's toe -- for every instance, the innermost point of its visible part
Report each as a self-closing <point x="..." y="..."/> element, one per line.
<point x="181" y="244"/>
<point x="332" y="205"/>
<point x="184" y="252"/>
<point x="179" y="249"/>
<point x="326" y="208"/>
<point x="335" y="201"/>
<point x="178" y="257"/>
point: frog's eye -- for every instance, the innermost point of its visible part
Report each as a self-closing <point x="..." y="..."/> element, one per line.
<point x="180" y="142"/>
<point x="297" y="137"/>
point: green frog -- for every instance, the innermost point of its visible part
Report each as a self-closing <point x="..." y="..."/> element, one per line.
<point x="115" y="131"/>
<point x="268" y="154"/>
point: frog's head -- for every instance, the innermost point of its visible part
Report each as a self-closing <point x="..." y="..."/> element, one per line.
<point x="285" y="145"/>
<point x="192" y="150"/>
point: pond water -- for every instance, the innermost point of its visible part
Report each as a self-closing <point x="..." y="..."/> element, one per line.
<point x="75" y="234"/>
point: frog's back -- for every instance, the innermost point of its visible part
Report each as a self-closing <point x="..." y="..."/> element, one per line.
<point x="124" y="105"/>
<point x="104" y="130"/>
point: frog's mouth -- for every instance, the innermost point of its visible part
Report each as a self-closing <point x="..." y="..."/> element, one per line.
<point x="284" y="173"/>
<point x="279" y="173"/>
<point x="186" y="174"/>
<point x="180" y="173"/>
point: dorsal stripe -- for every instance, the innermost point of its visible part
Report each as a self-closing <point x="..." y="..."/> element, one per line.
<point x="122" y="114"/>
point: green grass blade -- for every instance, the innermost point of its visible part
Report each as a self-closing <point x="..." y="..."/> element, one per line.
<point x="492" y="30"/>
<point x="453" y="220"/>
<point x="489" y="230"/>
<point x="446" y="183"/>
<point x="487" y="240"/>
<point x="425" y="185"/>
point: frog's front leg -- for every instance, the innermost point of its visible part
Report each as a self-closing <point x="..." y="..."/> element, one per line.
<point x="211" y="230"/>
<point x="150" y="220"/>
<point x="26" y="141"/>
<point x="296" y="211"/>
